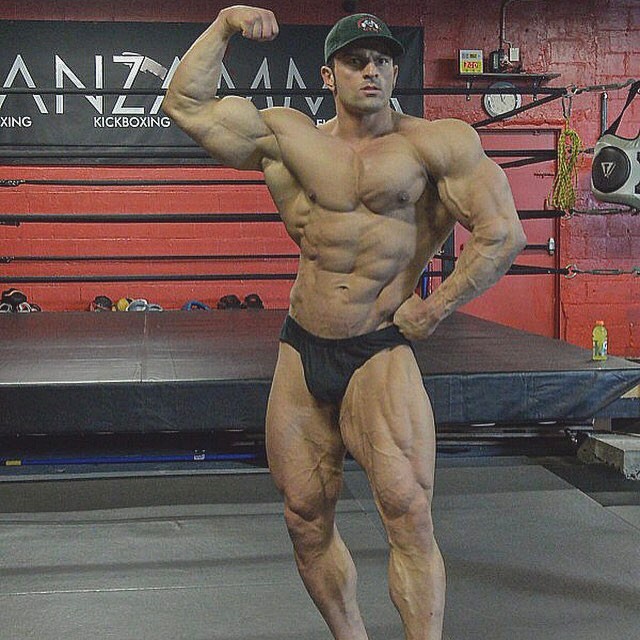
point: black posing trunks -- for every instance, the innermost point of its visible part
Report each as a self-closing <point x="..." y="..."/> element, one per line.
<point x="330" y="363"/>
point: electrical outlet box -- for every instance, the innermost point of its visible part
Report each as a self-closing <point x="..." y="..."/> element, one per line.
<point x="514" y="54"/>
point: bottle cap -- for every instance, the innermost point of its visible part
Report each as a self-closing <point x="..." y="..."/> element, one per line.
<point x="600" y="323"/>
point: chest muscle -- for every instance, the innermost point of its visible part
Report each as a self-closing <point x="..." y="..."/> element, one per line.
<point x="382" y="175"/>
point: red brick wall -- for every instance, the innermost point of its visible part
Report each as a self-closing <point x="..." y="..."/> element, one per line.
<point x="590" y="42"/>
<point x="122" y="239"/>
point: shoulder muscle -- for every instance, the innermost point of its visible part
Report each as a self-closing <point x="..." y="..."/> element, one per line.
<point x="451" y="147"/>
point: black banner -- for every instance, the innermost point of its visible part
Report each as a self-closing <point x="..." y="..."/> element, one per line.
<point x="118" y="125"/>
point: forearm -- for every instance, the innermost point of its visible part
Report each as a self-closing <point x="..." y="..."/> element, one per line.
<point x="482" y="262"/>
<point x="196" y="78"/>
<point x="485" y="258"/>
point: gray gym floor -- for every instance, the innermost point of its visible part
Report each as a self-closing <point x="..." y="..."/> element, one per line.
<point x="536" y="549"/>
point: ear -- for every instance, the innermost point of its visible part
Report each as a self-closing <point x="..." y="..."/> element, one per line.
<point x="395" y="74"/>
<point x="328" y="77"/>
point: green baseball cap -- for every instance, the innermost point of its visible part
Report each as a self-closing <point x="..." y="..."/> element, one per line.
<point x="357" y="27"/>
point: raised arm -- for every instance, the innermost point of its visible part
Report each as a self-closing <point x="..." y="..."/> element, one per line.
<point x="231" y="129"/>
<point x="475" y="190"/>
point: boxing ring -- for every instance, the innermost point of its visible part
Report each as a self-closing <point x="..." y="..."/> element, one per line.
<point x="78" y="373"/>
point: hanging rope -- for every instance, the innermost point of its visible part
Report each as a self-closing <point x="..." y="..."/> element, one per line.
<point x="563" y="194"/>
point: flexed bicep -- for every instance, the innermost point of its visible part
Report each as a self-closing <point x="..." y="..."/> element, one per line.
<point x="231" y="129"/>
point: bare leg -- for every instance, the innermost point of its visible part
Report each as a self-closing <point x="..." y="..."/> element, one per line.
<point x="387" y="425"/>
<point x="306" y="455"/>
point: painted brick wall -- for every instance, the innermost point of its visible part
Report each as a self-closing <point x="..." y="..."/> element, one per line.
<point x="82" y="239"/>
<point x="590" y="42"/>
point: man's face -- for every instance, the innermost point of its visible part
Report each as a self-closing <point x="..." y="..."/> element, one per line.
<point x="362" y="77"/>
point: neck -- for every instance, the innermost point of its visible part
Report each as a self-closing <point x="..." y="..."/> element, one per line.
<point x="351" y="125"/>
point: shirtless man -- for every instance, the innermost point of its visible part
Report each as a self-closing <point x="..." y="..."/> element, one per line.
<point x="369" y="197"/>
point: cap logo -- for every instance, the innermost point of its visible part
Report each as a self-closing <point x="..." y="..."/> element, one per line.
<point x="368" y="24"/>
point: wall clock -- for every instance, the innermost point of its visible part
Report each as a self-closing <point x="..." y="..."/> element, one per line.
<point x="497" y="104"/>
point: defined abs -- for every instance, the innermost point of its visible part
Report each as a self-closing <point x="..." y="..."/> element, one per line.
<point x="337" y="306"/>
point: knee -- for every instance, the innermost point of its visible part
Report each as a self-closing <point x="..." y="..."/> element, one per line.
<point x="310" y="523"/>
<point x="406" y="513"/>
<point x="402" y="496"/>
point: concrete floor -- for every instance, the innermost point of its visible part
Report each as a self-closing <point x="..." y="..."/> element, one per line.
<point x="544" y="549"/>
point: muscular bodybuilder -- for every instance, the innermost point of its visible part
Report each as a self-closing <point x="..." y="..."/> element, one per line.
<point x="369" y="197"/>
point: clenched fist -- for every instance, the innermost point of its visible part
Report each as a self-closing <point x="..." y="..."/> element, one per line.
<point x="416" y="318"/>
<point x="252" y="22"/>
